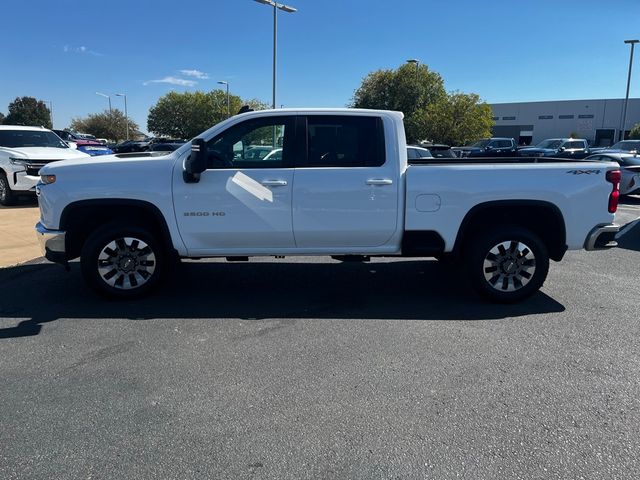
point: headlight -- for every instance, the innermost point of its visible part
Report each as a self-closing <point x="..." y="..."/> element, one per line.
<point x="47" y="179"/>
<point x="18" y="161"/>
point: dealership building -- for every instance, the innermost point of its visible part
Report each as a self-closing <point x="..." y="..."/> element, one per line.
<point x="596" y="120"/>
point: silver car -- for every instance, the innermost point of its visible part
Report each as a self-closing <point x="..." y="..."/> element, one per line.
<point x="629" y="167"/>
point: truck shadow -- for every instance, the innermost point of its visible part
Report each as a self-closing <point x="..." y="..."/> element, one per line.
<point x="630" y="239"/>
<point x="395" y="290"/>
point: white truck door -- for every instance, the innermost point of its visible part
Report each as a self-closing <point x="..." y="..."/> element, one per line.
<point x="345" y="191"/>
<point x="243" y="199"/>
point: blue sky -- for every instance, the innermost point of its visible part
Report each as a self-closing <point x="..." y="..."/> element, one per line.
<point x="505" y="51"/>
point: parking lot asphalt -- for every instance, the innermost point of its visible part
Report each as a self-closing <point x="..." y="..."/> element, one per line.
<point x="309" y="368"/>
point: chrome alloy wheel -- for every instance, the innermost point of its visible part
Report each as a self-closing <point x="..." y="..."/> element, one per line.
<point x="126" y="263"/>
<point x="509" y="266"/>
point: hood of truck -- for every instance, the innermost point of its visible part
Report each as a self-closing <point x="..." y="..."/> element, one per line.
<point x="538" y="150"/>
<point x="113" y="162"/>
<point x="45" y="153"/>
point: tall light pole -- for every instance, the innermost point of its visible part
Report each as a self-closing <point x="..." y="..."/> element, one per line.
<point x="222" y="82"/>
<point x="108" y="98"/>
<point x="626" y="98"/>
<point x="285" y="8"/>
<point x="126" y="115"/>
<point x="417" y="64"/>
<point x="50" y="110"/>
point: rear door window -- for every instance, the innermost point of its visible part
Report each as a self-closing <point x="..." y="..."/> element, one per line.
<point x="344" y="141"/>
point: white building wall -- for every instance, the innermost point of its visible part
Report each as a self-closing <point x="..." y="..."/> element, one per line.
<point x="588" y="116"/>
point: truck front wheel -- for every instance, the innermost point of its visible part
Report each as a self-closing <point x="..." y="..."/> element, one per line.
<point x="508" y="264"/>
<point x="121" y="261"/>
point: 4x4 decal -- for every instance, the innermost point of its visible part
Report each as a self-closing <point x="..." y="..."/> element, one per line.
<point x="584" y="172"/>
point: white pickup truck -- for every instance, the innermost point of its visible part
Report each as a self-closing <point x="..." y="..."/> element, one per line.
<point x="331" y="182"/>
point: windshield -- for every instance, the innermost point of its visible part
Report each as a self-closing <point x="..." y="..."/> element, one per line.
<point x="550" y="144"/>
<point x="30" y="138"/>
<point x="627" y="145"/>
<point x="481" y="143"/>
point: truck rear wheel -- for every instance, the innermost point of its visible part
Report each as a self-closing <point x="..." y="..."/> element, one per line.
<point x="122" y="261"/>
<point x="7" y="197"/>
<point x="508" y="264"/>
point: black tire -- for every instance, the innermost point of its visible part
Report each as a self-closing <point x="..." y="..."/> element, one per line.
<point x="7" y="197"/>
<point x="123" y="261"/>
<point x="511" y="276"/>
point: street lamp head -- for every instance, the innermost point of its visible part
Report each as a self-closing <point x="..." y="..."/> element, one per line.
<point x="412" y="60"/>
<point x="102" y="95"/>
<point x="222" y="82"/>
<point x="279" y="6"/>
<point x="632" y="41"/>
<point x="120" y="95"/>
<point x="286" y="8"/>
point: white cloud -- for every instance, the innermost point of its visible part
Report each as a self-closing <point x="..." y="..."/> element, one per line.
<point x="195" y="73"/>
<point x="174" y="81"/>
<point x="82" y="50"/>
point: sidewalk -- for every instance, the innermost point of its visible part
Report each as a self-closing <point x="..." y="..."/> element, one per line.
<point x="18" y="242"/>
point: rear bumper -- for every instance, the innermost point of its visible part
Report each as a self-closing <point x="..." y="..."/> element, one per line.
<point x="52" y="244"/>
<point x="602" y="237"/>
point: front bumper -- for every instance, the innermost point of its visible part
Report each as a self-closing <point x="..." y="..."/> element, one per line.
<point x="52" y="244"/>
<point x="602" y="237"/>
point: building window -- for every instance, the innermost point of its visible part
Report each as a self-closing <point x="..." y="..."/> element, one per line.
<point x="585" y="116"/>
<point x="508" y="118"/>
<point x="545" y="117"/>
<point x="495" y="118"/>
<point x="565" y="117"/>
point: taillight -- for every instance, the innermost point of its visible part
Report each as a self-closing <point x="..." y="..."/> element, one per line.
<point x="613" y="177"/>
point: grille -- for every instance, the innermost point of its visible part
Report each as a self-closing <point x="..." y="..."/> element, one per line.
<point x="34" y="166"/>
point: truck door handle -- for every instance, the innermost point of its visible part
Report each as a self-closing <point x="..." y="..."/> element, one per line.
<point x="379" y="181"/>
<point x="274" y="183"/>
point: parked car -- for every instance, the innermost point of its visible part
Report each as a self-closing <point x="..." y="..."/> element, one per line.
<point x="440" y="151"/>
<point x="414" y="152"/>
<point x="84" y="142"/>
<point x="344" y="191"/>
<point x="490" y="147"/>
<point x="256" y="152"/>
<point x="165" y="147"/>
<point x="23" y="152"/>
<point x="274" y="155"/>
<point x="624" y="146"/>
<point x="131" y="146"/>
<point x="575" y="148"/>
<point x="629" y="167"/>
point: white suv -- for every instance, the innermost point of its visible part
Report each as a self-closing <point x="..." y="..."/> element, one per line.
<point x="23" y="152"/>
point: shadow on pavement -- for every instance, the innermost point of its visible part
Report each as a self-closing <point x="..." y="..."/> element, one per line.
<point x="397" y="290"/>
<point x="630" y="200"/>
<point x="23" y="202"/>
<point x="630" y="239"/>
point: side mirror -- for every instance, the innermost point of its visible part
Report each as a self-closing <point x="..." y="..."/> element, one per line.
<point x="561" y="149"/>
<point x="197" y="161"/>
<point x="488" y="147"/>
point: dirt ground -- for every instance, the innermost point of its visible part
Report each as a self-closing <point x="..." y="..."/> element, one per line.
<point x="18" y="242"/>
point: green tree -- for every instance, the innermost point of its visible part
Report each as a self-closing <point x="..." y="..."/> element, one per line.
<point x="430" y="113"/>
<point x="186" y="115"/>
<point x="456" y="119"/>
<point x="111" y="125"/>
<point x="409" y="89"/>
<point x="2" y="117"/>
<point x="28" y="111"/>
<point x="635" y="132"/>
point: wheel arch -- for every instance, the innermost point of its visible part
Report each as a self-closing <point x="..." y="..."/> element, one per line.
<point x="80" y="218"/>
<point x="541" y="217"/>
